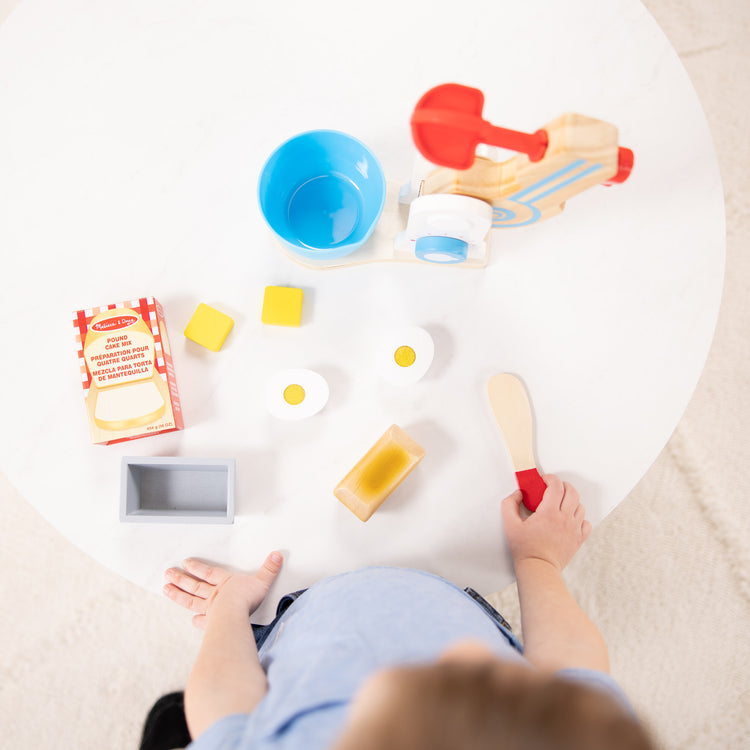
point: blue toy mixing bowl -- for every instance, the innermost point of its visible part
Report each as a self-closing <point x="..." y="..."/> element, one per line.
<point x="322" y="193"/>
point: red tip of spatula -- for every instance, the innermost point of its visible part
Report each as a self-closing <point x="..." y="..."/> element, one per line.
<point x="532" y="487"/>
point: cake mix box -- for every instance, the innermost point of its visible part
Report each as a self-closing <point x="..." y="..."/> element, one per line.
<point x="126" y="371"/>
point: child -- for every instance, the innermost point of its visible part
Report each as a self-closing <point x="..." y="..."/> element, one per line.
<point x="394" y="659"/>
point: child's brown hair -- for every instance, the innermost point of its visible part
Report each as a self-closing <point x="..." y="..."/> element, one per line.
<point x="455" y="706"/>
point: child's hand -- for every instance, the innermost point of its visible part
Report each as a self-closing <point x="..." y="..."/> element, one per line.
<point x="554" y="532"/>
<point x="198" y="586"/>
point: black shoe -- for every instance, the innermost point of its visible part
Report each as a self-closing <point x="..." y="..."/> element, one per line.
<point x="166" y="727"/>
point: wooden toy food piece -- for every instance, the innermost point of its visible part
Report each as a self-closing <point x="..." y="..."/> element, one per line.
<point x="510" y="406"/>
<point x="282" y="306"/>
<point x="379" y="472"/>
<point x="405" y="355"/>
<point x="581" y="152"/>
<point x="208" y="327"/>
<point x="296" y="394"/>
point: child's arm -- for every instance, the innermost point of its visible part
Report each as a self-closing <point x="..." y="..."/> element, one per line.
<point x="227" y="677"/>
<point x="557" y="633"/>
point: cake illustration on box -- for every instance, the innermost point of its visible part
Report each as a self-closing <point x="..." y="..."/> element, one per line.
<point x="126" y="371"/>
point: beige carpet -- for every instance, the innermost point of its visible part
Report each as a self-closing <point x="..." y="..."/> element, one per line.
<point x="666" y="576"/>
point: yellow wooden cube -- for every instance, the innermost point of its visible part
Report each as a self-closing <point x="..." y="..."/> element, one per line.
<point x="208" y="327"/>
<point x="282" y="306"/>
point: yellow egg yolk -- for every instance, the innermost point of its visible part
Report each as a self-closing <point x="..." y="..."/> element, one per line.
<point x="294" y="394"/>
<point x="405" y="356"/>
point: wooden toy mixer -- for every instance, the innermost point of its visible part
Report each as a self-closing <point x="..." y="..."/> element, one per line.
<point x="566" y="157"/>
<point x="325" y="197"/>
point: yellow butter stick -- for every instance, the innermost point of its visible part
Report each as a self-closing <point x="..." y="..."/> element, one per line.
<point x="366" y="487"/>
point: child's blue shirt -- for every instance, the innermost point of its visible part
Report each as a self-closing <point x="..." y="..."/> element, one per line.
<point x="337" y="634"/>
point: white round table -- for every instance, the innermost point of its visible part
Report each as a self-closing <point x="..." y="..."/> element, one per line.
<point x="131" y="140"/>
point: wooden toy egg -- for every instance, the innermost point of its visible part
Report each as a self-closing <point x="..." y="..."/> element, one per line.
<point x="296" y="394"/>
<point x="405" y="355"/>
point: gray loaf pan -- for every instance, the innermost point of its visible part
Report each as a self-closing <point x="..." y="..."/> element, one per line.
<point x="177" y="490"/>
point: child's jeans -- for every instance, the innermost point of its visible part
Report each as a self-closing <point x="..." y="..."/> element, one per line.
<point x="261" y="632"/>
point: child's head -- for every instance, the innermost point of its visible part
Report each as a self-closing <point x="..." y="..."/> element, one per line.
<point x="485" y="704"/>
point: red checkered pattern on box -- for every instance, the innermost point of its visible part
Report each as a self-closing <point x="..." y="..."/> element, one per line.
<point x="145" y="307"/>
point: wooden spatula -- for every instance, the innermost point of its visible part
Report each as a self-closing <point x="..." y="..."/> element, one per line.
<point x="510" y="405"/>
